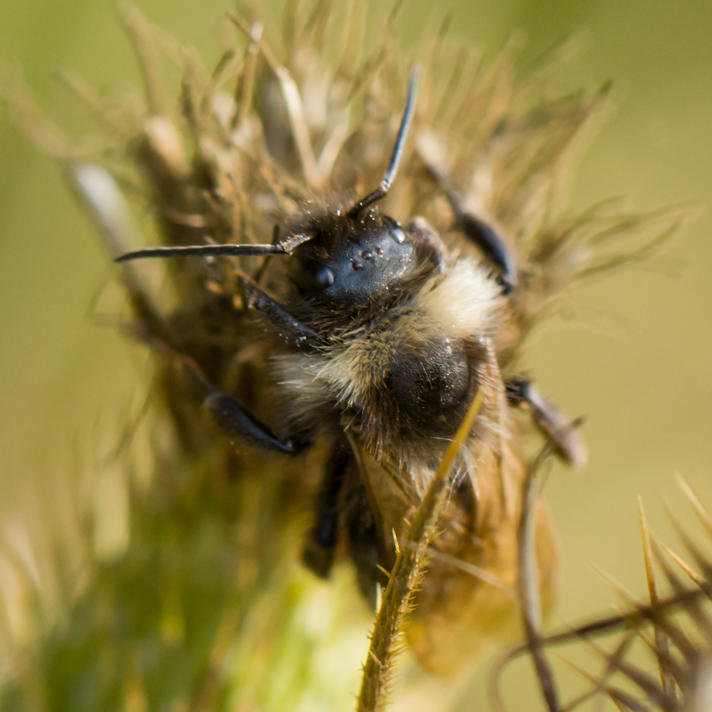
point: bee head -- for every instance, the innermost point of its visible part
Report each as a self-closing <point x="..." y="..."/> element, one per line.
<point x="355" y="266"/>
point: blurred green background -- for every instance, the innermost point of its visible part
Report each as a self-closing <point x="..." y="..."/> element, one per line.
<point x="635" y="360"/>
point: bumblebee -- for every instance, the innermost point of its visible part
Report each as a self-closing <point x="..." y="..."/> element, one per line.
<point x="378" y="335"/>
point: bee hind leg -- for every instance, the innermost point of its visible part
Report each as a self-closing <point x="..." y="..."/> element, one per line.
<point x="318" y="553"/>
<point x="553" y="423"/>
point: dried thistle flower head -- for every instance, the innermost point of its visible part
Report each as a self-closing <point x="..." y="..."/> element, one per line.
<point x="294" y="139"/>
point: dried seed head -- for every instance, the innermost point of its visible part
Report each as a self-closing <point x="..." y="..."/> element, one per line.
<point x="290" y="128"/>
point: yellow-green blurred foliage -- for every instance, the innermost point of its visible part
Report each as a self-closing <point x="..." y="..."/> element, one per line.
<point x="634" y="357"/>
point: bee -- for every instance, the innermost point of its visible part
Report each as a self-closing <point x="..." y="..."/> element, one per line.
<point x="379" y="334"/>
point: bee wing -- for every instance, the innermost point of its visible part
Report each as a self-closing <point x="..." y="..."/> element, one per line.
<point x="391" y="496"/>
<point x="468" y="596"/>
<point x="469" y="593"/>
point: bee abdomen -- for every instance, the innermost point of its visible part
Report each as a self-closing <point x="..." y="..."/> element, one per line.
<point x="427" y="387"/>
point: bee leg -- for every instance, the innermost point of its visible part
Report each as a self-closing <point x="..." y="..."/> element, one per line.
<point x="365" y="547"/>
<point x="481" y="233"/>
<point x="239" y="424"/>
<point x="493" y="246"/>
<point x="233" y="418"/>
<point x="318" y="554"/>
<point x="289" y="328"/>
<point x="554" y="424"/>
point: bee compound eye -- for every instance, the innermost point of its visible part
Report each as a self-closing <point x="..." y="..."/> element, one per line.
<point x="311" y="276"/>
<point x="324" y="277"/>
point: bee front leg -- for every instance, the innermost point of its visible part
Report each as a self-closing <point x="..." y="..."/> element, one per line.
<point x="292" y="331"/>
<point x="233" y="418"/>
<point x="554" y="424"/>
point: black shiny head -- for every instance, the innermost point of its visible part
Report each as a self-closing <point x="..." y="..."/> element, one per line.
<point x="353" y="267"/>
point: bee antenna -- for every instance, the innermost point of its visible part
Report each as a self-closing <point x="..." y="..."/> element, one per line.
<point x="397" y="153"/>
<point x="283" y="247"/>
